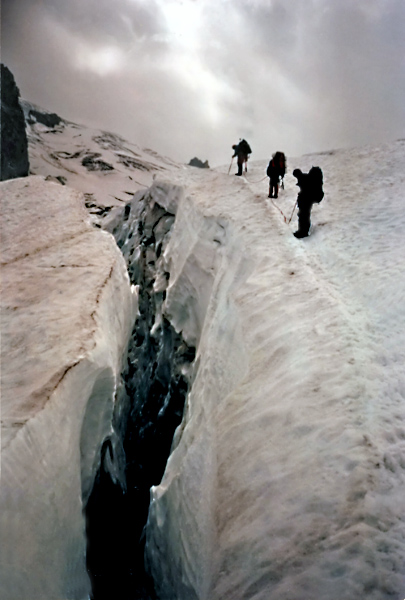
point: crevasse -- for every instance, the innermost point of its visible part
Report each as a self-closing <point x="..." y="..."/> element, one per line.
<point x="183" y="284"/>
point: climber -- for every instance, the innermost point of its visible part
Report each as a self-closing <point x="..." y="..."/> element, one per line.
<point x="276" y="171"/>
<point x="242" y="151"/>
<point x="311" y="192"/>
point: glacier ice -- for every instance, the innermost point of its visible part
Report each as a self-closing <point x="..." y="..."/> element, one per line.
<point x="285" y="478"/>
<point x="67" y="312"/>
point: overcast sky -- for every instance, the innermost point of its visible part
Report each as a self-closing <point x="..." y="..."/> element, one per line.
<point x="189" y="78"/>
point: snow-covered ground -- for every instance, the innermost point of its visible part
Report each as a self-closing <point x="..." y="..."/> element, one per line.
<point x="67" y="311"/>
<point x="288" y="476"/>
<point x="107" y="169"/>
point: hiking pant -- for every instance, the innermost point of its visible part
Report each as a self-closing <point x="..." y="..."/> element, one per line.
<point x="273" y="191"/>
<point x="242" y="158"/>
<point x="304" y="219"/>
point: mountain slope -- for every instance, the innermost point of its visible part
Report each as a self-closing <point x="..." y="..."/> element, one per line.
<point x="287" y="475"/>
<point x="287" y="478"/>
<point x="107" y="169"/>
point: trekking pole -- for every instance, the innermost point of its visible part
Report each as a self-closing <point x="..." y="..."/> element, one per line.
<point x="230" y="165"/>
<point x="293" y="211"/>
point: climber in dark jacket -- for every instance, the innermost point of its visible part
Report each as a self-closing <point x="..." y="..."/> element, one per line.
<point x="311" y="192"/>
<point x="242" y="151"/>
<point x="275" y="170"/>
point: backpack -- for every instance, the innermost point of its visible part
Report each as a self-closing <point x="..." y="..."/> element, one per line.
<point x="278" y="167"/>
<point x="315" y="177"/>
<point x="280" y="159"/>
<point x="244" y="147"/>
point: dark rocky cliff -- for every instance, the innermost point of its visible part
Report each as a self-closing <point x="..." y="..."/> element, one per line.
<point x="14" y="145"/>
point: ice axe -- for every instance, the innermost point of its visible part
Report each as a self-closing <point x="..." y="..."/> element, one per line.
<point x="229" y="170"/>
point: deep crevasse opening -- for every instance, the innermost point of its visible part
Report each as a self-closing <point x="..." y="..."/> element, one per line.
<point x="176" y="282"/>
<point x="148" y="407"/>
<point x="207" y="266"/>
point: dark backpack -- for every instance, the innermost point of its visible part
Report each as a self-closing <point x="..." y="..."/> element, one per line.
<point x="281" y="161"/>
<point x="315" y="178"/>
<point x="244" y="147"/>
<point x="277" y="165"/>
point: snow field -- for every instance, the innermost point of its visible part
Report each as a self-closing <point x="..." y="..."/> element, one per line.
<point x="293" y="472"/>
<point x="287" y="475"/>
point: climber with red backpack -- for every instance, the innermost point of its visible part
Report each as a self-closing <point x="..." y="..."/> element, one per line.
<point x="276" y="171"/>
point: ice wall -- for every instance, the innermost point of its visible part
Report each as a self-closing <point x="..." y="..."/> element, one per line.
<point x="280" y="483"/>
<point x="285" y="478"/>
<point x="157" y="377"/>
<point x="206" y="267"/>
<point x="185" y="265"/>
<point x="67" y="312"/>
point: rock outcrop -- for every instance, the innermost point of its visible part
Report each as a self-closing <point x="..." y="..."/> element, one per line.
<point x="196" y="162"/>
<point x="48" y="119"/>
<point x="14" y="145"/>
<point x="67" y="314"/>
<point x="102" y="165"/>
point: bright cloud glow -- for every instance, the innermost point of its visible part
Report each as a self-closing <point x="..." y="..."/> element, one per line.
<point x="101" y="61"/>
<point x="210" y="89"/>
<point x="183" y="20"/>
<point x="291" y="75"/>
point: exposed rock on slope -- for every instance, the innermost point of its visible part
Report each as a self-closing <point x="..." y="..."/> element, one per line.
<point x="67" y="311"/>
<point x="196" y="162"/>
<point x="107" y="169"/>
<point x="14" y="150"/>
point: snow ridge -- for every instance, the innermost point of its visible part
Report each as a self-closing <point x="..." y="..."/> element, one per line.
<point x="64" y="337"/>
<point x="288" y="483"/>
<point x="286" y="476"/>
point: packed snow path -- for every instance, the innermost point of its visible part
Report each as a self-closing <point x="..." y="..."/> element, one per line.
<point x="288" y="476"/>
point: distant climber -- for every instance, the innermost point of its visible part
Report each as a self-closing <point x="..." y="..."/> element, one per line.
<point x="311" y="192"/>
<point x="242" y="151"/>
<point x="276" y="171"/>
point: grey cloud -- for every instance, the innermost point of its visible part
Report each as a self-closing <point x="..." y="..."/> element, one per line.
<point x="116" y="19"/>
<point x="344" y="63"/>
<point x="289" y="75"/>
<point x="98" y="22"/>
<point x="358" y="77"/>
